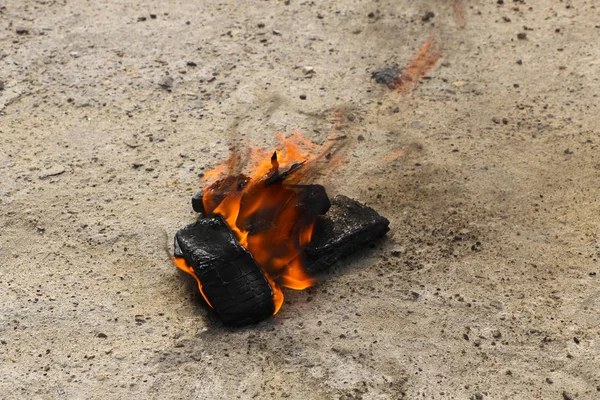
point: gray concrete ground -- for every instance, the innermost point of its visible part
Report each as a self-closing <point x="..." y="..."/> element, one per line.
<point x="486" y="288"/>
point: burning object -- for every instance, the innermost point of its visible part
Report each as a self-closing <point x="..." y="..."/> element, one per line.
<point x="269" y="229"/>
<point x="404" y="81"/>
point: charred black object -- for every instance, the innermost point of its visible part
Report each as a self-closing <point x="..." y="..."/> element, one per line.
<point x="347" y="226"/>
<point x="387" y="76"/>
<point x="231" y="280"/>
<point x="234" y="284"/>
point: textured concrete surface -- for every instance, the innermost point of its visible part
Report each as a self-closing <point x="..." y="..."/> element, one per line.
<point x="486" y="288"/>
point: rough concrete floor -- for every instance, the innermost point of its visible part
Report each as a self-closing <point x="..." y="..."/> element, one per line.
<point x="488" y="286"/>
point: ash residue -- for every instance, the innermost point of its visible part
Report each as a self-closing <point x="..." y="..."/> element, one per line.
<point x="387" y="76"/>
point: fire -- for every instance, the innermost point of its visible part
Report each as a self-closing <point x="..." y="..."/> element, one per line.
<point x="269" y="211"/>
<point x="395" y="155"/>
<point x="424" y="61"/>
<point x="182" y="265"/>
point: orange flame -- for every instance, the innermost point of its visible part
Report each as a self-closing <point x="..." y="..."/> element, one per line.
<point x="419" y="66"/>
<point x="182" y="265"/>
<point x="262" y="208"/>
<point x="395" y="155"/>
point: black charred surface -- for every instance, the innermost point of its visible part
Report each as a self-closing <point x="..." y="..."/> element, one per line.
<point x="347" y="227"/>
<point x="197" y="203"/>
<point x="231" y="280"/>
<point x="312" y="199"/>
<point x="387" y="76"/>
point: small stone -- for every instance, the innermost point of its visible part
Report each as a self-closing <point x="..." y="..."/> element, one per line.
<point x="567" y="396"/>
<point x="141" y="19"/>
<point x="207" y="78"/>
<point x="101" y="335"/>
<point x="191" y="64"/>
<point x="496" y="304"/>
<point x="428" y="15"/>
<point x="133" y="143"/>
<point x="521" y="36"/>
<point x="302" y="97"/>
<point x="74" y="54"/>
<point x="152" y="16"/>
<point x="1" y="86"/>
<point x="276" y="32"/>
<point x="166" y="83"/>
<point x="308" y="70"/>
<point x="196" y="105"/>
<point x="520" y="62"/>
<point x="387" y="76"/>
<point x="21" y="30"/>
<point x="52" y="171"/>
<point x="549" y="381"/>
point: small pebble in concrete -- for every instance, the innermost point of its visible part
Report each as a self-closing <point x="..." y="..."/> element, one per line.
<point x="52" y="171"/>
<point x="166" y="82"/>
<point x="428" y="16"/>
